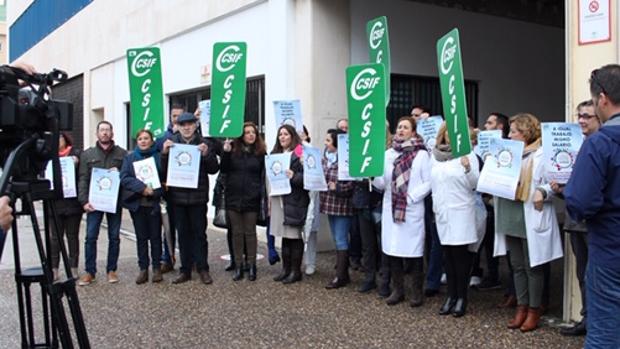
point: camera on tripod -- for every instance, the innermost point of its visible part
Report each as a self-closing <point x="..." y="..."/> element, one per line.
<point x="29" y="111"/>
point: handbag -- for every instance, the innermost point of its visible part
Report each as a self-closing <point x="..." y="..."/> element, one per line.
<point x="263" y="214"/>
<point x="220" y="220"/>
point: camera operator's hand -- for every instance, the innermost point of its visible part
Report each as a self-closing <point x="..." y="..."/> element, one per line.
<point x="88" y="208"/>
<point x="6" y="213"/>
<point x="27" y="68"/>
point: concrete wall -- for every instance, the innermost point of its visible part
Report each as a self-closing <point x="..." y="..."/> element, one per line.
<point x="519" y="66"/>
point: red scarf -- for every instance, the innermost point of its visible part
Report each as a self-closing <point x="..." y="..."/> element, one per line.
<point x="65" y="152"/>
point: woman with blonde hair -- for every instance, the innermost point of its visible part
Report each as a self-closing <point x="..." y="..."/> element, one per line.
<point x="527" y="226"/>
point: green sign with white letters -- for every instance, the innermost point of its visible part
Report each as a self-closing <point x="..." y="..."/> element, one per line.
<point x="145" y="90"/>
<point x="379" y="45"/>
<point x="366" y="108"/>
<point x="450" y="69"/>
<point x="228" y="89"/>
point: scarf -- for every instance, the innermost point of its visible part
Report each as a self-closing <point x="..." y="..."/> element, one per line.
<point x="527" y="169"/>
<point x="442" y="152"/>
<point x="147" y="153"/>
<point x="66" y="151"/>
<point x="400" y="176"/>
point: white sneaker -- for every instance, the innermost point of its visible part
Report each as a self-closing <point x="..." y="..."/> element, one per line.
<point x="475" y="281"/>
<point x="444" y="279"/>
<point x="310" y="269"/>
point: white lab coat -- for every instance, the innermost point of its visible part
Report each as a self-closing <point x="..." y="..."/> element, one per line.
<point x="405" y="239"/>
<point x="541" y="227"/>
<point x="454" y="201"/>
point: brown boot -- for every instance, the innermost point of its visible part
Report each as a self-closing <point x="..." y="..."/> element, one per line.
<point x="143" y="277"/>
<point x="531" y="322"/>
<point x="157" y="277"/>
<point x="519" y="318"/>
<point x="417" y="287"/>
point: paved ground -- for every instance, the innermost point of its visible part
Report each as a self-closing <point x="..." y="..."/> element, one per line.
<point x="266" y="314"/>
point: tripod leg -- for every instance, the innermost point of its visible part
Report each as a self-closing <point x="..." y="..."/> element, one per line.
<point x="20" y="294"/>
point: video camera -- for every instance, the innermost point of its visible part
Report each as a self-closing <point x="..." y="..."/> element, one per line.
<point x="29" y="112"/>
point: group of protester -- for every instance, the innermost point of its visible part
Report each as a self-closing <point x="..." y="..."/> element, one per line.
<point x="424" y="204"/>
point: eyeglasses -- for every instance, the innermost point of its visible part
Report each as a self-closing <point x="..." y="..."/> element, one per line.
<point x="595" y="80"/>
<point x="585" y="116"/>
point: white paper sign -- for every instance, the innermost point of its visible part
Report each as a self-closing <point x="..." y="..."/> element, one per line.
<point x="561" y="143"/>
<point x="288" y="113"/>
<point x="343" y="158"/>
<point x="502" y="168"/>
<point x="314" y="178"/>
<point x="594" y="21"/>
<point x="183" y="166"/>
<point x="67" y="170"/>
<point x="482" y="149"/>
<point x="146" y="172"/>
<point x="428" y="129"/>
<point x="275" y="167"/>
<point x="103" y="191"/>
<point x="205" y="116"/>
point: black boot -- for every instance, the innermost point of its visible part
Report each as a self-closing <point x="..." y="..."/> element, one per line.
<point x="252" y="272"/>
<point x="398" y="289"/>
<point x="238" y="274"/>
<point x="460" y="307"/>
<point x="417" y="295"/>
<point x="297" y="254"/>
<point x="231" y="266"/>
<point x="286" y="261"/>
<point x="342" y="271"/>
<point x="368" y="284"/>
<point x="447" y="306"/>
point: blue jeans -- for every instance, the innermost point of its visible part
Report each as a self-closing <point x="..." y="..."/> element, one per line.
<point x="166" y="255"/>
<point x="93" y="224"/>
<point x="340" y="226"/>
<point x="435" y="253"/>
<point x="271" y="243"/>
<point x="603" y="295"/>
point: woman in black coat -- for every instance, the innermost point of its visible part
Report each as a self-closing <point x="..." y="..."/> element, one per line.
<point x="69" y="213"/>
<point x="243" y="162"/>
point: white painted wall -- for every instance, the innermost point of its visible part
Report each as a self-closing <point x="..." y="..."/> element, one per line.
<point x="519" y="65"/>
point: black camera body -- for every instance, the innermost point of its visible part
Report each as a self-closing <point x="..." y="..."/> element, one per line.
<point x="30" y="112"/>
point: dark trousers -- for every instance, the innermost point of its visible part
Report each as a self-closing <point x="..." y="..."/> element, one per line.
<point x="355" y="241"/>
<point x="192" y="228"/>
<point x="579" y="244"/>
<point x="69" y="226"/>
<point x="457" y="263"/>
<point x="433" y="247"/>
<point x="243" y="231"/>
<point x="148" y="228"/>
<point x="603" y="292"/>
<point x="398" y="266"/>
<point x="373" y="258"/>
<point x="487" y="247"/>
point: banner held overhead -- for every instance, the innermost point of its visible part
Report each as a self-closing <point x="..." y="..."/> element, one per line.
<point x="379" y="45"/>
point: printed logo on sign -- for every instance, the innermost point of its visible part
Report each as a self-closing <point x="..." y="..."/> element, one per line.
<point x="447" y="55"/>
<point x="364" y="83"/>
<point x="143" y="63"/>
<point x="376" y="35"/>
<point x="227" y="60"/>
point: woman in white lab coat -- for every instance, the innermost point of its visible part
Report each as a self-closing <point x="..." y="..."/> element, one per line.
<point x="405" y="183"/>
<point x="530" y="233"/>
<point x="453" y="183"/>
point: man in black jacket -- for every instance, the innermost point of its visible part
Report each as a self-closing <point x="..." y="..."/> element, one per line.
<point x="190" y="205"/>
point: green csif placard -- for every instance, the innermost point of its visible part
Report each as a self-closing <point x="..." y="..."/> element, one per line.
<point x="228" y="89"/>
<point x="145" y="90"/>
<point x="366" y="108"/>
<point x="379" y="45"/>
<point x="450" y="69"/>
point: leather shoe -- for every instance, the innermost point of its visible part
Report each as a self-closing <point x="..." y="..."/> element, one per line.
<point x="336" y="283"/>
<point x="447" y="306"/>
<point x="205" y="277"/>
<point x="182" y="278"/>
<point x="230" y="267"/>
<point x="508" y="302"/>
<point x="459" y="307"/>
<point x="238" y="274"/>
<point x="579" y="329"/>
<point x="367" y="286"/>
<point x="532" y="320"/>
<point x="283" y="275"/>
<point x="166" y="268"/>
<point x="252" y="273"/>
<point x="292" y="278"/>
<point x="384" y="290"/>
<point x="519" y="317"/>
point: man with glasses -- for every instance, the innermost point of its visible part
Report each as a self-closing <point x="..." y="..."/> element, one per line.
<point x="593" y="193"/>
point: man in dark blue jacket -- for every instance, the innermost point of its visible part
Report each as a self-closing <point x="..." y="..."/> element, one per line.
<point x="593" y="194"/>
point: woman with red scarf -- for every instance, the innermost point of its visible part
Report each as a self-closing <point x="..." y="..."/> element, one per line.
<point x="405" y="183"/>
<point x="69" y="213"/>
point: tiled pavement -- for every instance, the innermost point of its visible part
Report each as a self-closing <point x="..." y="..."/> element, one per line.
<point x="267" y="314"/>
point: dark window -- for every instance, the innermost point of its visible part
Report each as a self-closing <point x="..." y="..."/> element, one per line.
<point x="72" y="91"/>
<point x="254" y="100"/>
<point x="409" y="90"/>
